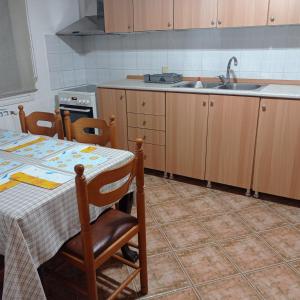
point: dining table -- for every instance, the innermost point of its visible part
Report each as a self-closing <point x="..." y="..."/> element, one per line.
<point x="38" y="204"/>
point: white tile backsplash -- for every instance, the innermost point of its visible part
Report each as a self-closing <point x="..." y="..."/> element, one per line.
<point x="265" y="52"/>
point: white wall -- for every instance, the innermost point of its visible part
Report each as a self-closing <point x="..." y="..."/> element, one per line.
<point x="45" y="17"/>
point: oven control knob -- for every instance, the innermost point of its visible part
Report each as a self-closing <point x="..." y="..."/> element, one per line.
<point x="80" y="101"/>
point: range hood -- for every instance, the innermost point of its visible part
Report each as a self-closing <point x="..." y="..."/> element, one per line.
<point x="89" y="25"/>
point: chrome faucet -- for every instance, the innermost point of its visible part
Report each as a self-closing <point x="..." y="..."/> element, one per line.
<point x="227" y="79"/>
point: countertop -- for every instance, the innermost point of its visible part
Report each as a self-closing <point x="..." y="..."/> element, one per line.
<point x="268" y="91"/>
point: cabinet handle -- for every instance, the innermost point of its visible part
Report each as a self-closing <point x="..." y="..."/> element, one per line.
<point x="129" y="27"/>
<point x="219" y="22"/>
<point x="121" y="97"/>
<point x="204" y="103"/>
<point x="211" y="104"/>
<point x="264" y="108"/>
<point x="144" y="123"/>
<point x="144" y="138"/>
<point x="212" y="22"/>
<point x="144" y="103"/>
<point x="272" y="19"/>
<point x="169" y="24"/>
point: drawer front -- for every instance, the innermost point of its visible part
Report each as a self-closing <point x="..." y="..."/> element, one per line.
<point x="149" y="136"/>
<point x="154" y="156"/>
<point x="147" y="121"/>
<point x="149" y="103"/>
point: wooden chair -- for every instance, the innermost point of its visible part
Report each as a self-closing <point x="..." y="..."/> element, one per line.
<point x="30" y="123"/>
<point x="99" y="241"/>
<point x="75" y="130"/>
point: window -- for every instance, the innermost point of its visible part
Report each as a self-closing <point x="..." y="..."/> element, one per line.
<point x="16" y="68"/>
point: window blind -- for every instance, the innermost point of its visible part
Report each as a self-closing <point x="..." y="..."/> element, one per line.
<point x="16" y="66"/>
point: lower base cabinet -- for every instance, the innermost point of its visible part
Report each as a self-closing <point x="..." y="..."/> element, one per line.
<point x="154" y="155"/>
<point x="186" y="131"/>
<point x="277" y="159"/>
<point x="232" y="127"/>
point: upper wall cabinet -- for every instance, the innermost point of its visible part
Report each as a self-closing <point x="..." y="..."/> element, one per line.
<point x="118" y="15"/>
<point x="240" y="13"/>
<point x="195" y="14"/>
<point x="284" y="12"/>
<point x="153" y="15"/>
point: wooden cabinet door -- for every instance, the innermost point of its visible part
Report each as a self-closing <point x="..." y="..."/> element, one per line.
<point x="186" y="132"/>
<point x="240" y="13"/>
<point x="277" y="159"/>
<point x="232" y="126"/>
<point x="113" y="102"/>
<point x="153" y="15"/>
<point x="284" y="12"/>
<point x="118" y="15"/>
<point x="195" y="14"/>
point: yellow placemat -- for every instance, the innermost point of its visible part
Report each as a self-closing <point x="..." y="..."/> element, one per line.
<point x="8" y="185"/>
<point x="39" y="140"/>
<point x="88" y="149"/>
<point x="43" y="183"/>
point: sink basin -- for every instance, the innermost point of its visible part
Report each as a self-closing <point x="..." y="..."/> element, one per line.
<point x="198" y="85"/>
<point x="240" y="87"/>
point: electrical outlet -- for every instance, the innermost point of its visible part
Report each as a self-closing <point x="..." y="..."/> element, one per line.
<point x="165" y="69"/>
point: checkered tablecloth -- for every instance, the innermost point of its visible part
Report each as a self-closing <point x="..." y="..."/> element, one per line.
<point x="35" y="223"/>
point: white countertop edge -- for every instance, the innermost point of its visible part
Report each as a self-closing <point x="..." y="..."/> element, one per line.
<point x="268" y="91"/>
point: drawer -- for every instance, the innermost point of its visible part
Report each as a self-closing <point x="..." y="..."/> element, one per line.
<point x="147" y="121"/>
<point x="149" y="103"/>
<point x="149" y="136"/>
<point x="155" y="156"/>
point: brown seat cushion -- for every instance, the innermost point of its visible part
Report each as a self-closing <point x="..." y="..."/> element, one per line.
<point x="109" y="227"/>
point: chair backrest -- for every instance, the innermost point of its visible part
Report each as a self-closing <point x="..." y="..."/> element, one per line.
<point x="91" y="192"/>
<point x="30" y="123"/>
<point x="76" y="130"/>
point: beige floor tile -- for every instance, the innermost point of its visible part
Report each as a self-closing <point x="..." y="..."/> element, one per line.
<point x="250" y="253"/>
<point x="238" y="202"/>
<point x="225" y="226"/>
<point x="171" y="211"/>
<point x="286" y="240"/>
<point x="186" y="233"/>
<point x="277" y="283"/>
<point x="187" y="294"/>
<point x="262" y="218"/>
<point x="152" y="181"/>
<point x="156" y="243"/>
<point x="291" y="213"/>
<point x="186" y="190"/>
<point x="296" y="265"/>
<point x="160" y="194"/>
<point x="235" y="288"/>
<point x="164" y="274"/>
<point x="205" y="263"/>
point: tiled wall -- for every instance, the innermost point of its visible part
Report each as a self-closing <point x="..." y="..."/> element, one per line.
<point x="272" y="53"/>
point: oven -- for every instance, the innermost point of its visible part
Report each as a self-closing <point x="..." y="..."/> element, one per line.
<point x="80" y="102"/>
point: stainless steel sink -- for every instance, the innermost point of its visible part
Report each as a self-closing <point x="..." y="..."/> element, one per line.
<point x="240" y="86"/>
<point x="198" y="85"/>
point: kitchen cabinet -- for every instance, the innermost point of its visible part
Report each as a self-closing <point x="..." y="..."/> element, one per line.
<point x="113" y="102"/>
<point x="186" y="120"/>
<point x="240" y="13"/>
<point x="118" y="15"/>
<point x="232" y="126"/>
<point x="277" y="159"/>
<point x="191" y="14"/>
<point x="153" y="15"/>
<point x="284" y="12"/>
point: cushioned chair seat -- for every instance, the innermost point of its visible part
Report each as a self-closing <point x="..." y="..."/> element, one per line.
<point x="108" y="228"/>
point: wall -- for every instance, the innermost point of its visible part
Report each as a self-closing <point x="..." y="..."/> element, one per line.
<point x="46" y="17"/>
<point x="266" y="52"/>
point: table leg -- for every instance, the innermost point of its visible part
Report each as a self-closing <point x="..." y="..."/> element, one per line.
<point x="125" y="205"/>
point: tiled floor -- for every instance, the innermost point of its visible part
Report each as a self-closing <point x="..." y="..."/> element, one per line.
<point x="213" y="244"/>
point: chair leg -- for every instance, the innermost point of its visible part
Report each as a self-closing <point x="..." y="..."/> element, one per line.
<point x="143" y="261"/>
<point x="92" y="285"/>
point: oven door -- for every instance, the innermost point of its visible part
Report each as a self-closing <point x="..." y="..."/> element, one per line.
<point x="77" y="112"/>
